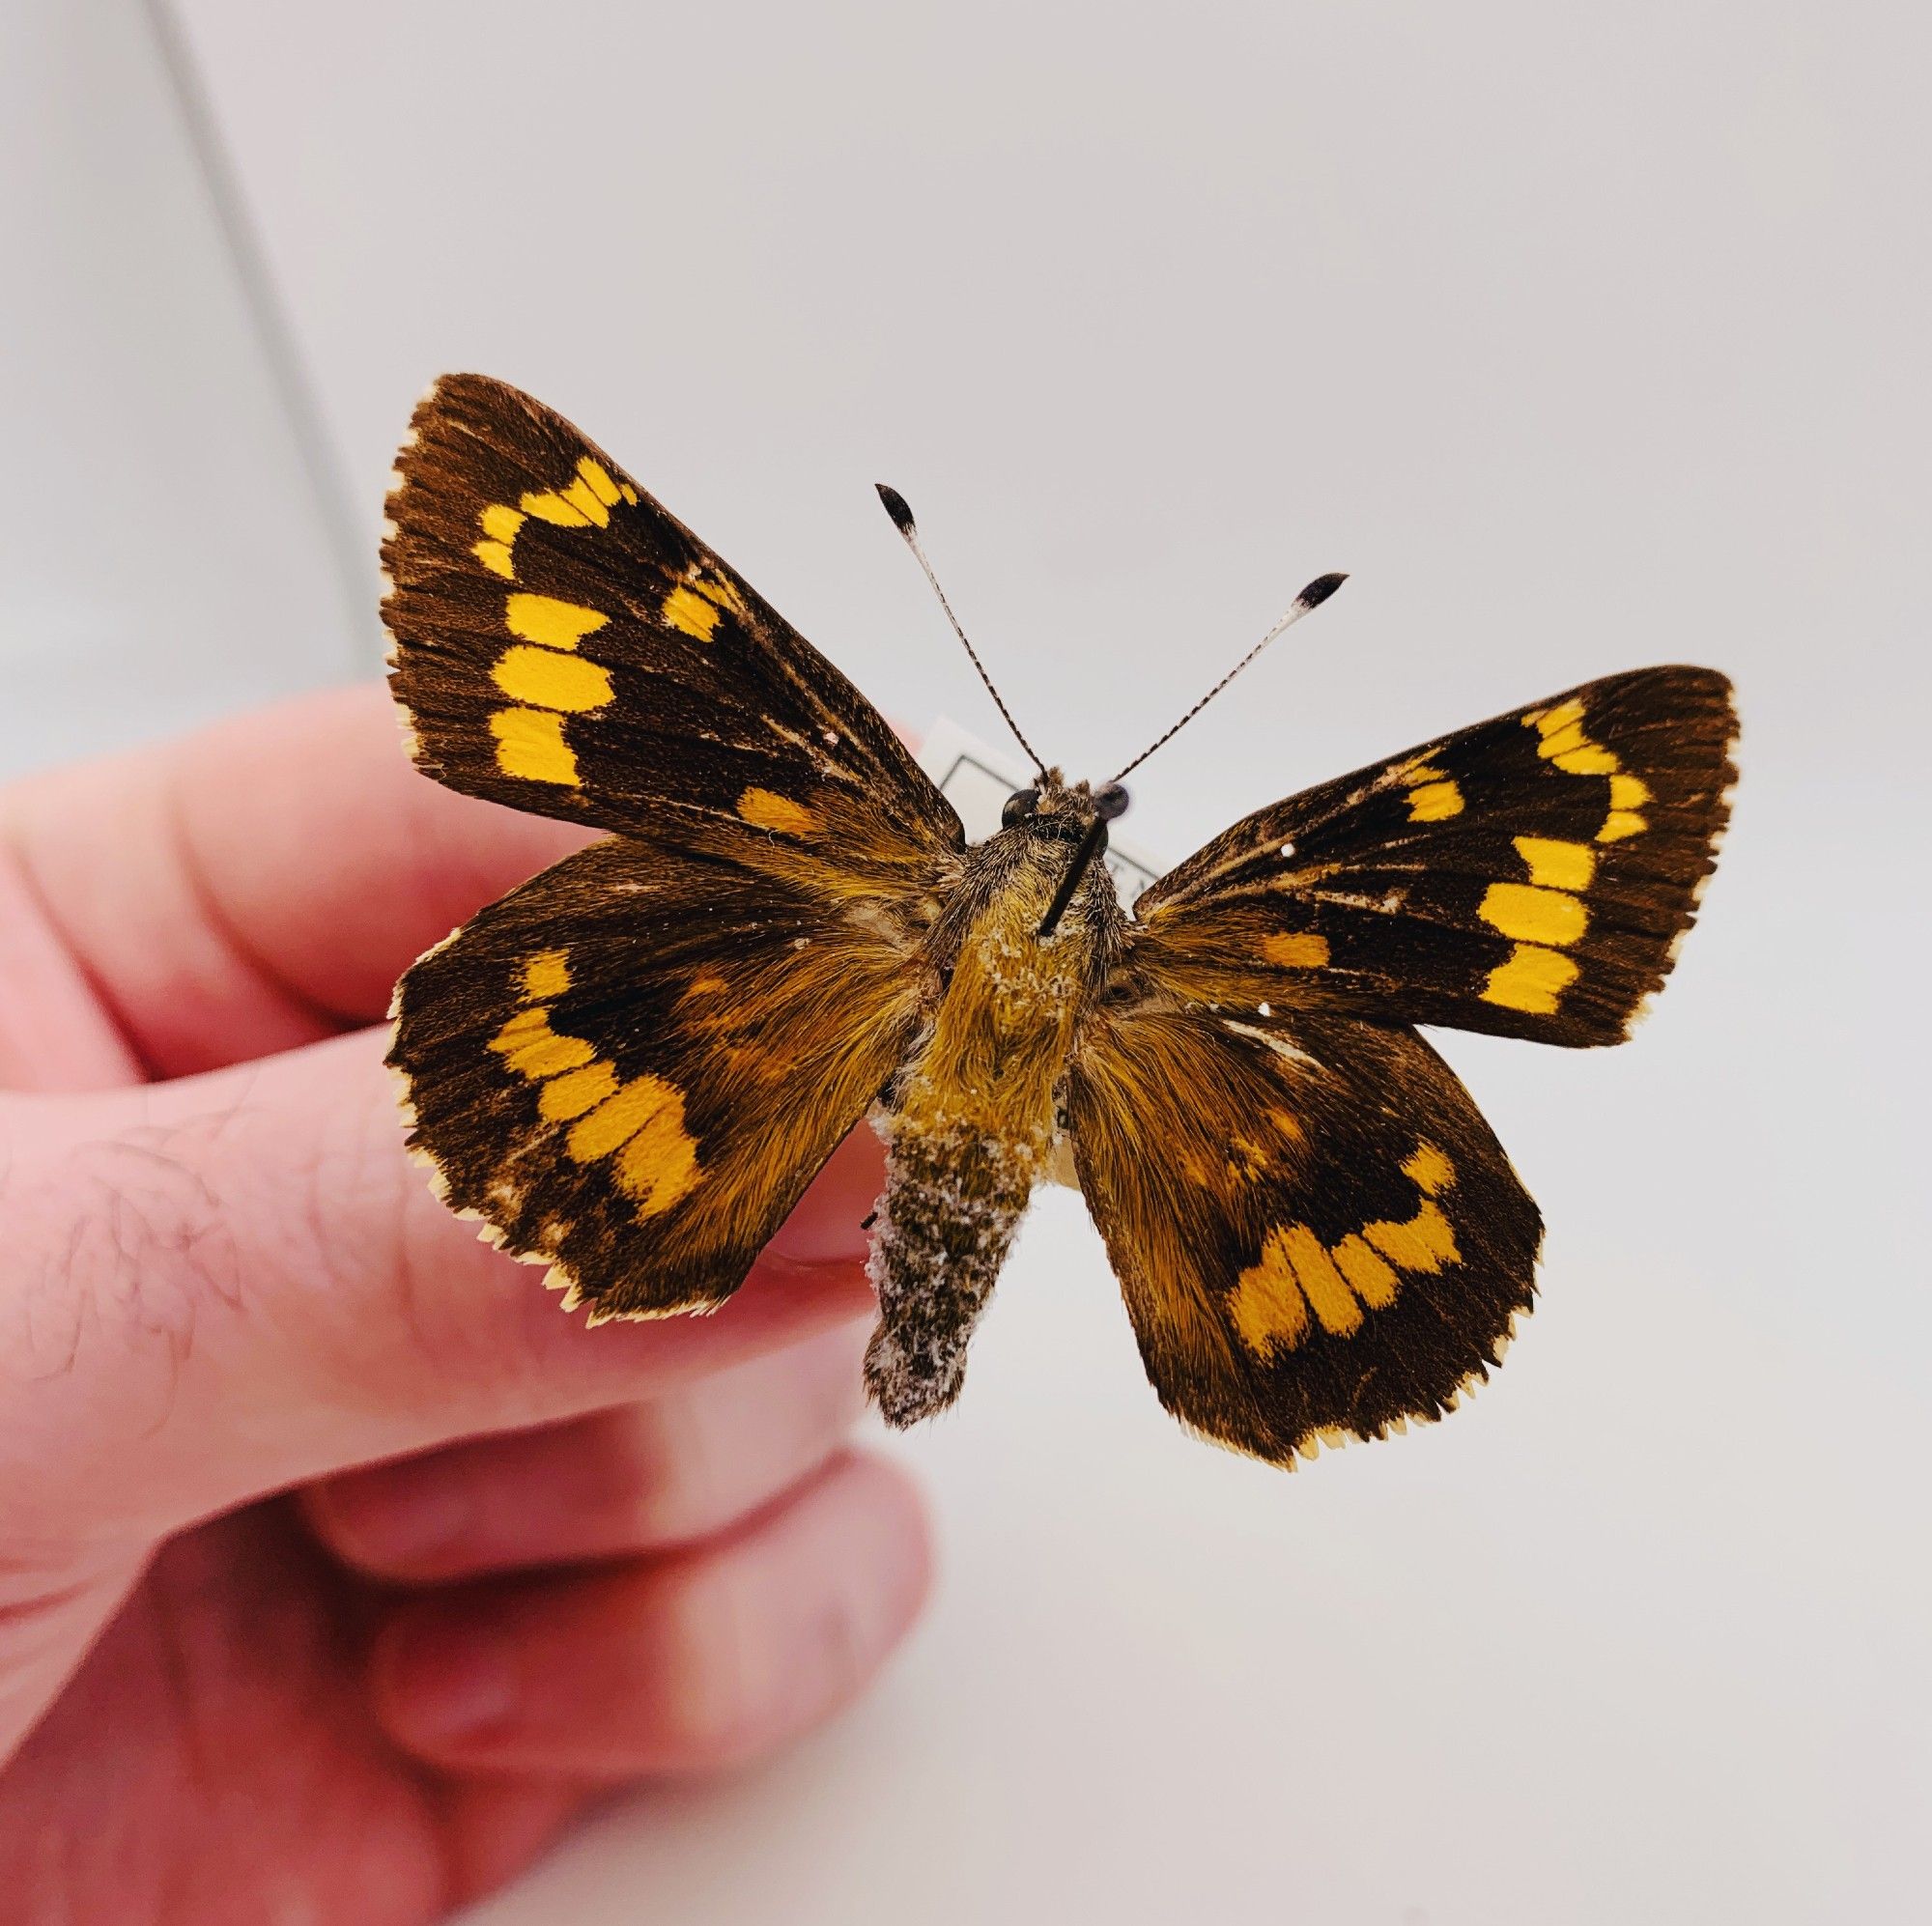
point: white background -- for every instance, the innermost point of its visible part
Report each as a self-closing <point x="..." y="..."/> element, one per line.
<point x="1584" y="337"/>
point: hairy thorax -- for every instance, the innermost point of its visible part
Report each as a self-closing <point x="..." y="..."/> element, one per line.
<point x="971" y="1124"/>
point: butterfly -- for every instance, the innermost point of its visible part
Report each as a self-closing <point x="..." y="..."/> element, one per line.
<point x="632" y="1067"/>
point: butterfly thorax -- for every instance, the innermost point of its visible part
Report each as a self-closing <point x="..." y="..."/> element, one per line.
<point x="971" y="1124"/>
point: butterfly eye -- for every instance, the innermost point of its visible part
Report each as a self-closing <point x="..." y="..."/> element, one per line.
<point x="1021" y="803"/>
<point x="1110" y="802"/>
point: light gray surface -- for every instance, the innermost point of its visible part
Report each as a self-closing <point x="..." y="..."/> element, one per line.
<point x="1583" y="338"/>
<point x="160" y="557"/>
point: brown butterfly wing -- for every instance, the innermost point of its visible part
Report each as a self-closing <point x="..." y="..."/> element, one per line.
<point x="633" y="1066"/>
<point x="1317" y="1234"/>
<point x="1530" y="876"/>
<point x="563" y="644"/>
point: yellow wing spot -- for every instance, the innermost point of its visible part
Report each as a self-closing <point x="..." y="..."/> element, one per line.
<point x="1536" y="916"/>
<point x="536" y="1050"/>
<point x="1429" y="1170"/>
<point x="1370" y="1278"/>
<point x="1433" y="800"/>
<point x="586" y="501"/>
<point x="551" y="506"/>
<point x="767" y="810"/>
<point x="685" y="608"/>
<point x="1526" y="914"/>
<point x="722" y="590"/>
<point x="642" y="1121"/>
<point x="1298" y="1281"/>
<point x="531" y="744"/>
<point x="1572" y="750"/>
<point x="550" y="623"/>
<point x="596" y="477"/>
<point x="1269" y="1309"/>
<point x="1557" y="865"/>
<point x="1553" y="721"/>
<point x="1532" y="979"/>
<point x="583" y="502"/>
<point x="695" y="604"/>
<point x="500" y="522"/>
<point x="575" y="1091"/>
<point x="500" y="526"/>
<point x="1298" y="950"/>
<point x="574" y="505"/>
<point x="546" y="974"/>
<point x="549" y="679"/>
<point x="659" y="1164"/>
<point x="617" y="1120"/>
<point x="1565" y="744"/>
<point x="1424" y="1242"/>
<point x="1432" y="794"/>
<point x="1324" y="1286"/>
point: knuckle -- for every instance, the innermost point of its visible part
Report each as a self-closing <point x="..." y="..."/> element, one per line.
<point x="716" y="1699"/>
<point x="669" y="1466"/>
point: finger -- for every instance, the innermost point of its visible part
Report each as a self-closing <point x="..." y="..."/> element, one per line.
<point x="54" y="1034"/>
<point x="687" y="1663"/>
<point x="262" y="883"/>
<point x="637" y="1479"/>
<point x="236" y="1283"/>
<point x="493" y="1828"/>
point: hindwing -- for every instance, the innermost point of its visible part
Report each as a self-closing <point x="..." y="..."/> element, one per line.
<point x="1317" y="1234"/>
<point x="633" y="1066"/>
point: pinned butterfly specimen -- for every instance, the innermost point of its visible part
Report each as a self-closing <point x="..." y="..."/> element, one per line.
<point x="632" y="1067"/>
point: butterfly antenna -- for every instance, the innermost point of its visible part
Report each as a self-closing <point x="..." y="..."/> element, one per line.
<point x="1313" y="596"/>
<point x="900" y="511"/>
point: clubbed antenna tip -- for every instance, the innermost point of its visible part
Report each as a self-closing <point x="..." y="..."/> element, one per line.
<point x="900" y="510"/>
<point x="897" y="506"/>
<point x="1313" y="596"/>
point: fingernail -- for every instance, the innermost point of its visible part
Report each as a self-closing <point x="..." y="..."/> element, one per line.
<point x="448" y="1685"/>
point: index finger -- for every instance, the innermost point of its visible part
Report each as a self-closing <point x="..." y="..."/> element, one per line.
<point x="236" y="1282"/>
<point x="262" y="883"/>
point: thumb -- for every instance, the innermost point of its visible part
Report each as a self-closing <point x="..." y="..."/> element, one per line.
<point x="223" y="1285"/>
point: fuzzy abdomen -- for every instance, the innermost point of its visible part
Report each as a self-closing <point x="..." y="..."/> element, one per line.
<point x="954" y="1199"/>
<point x="969" y="1133"/>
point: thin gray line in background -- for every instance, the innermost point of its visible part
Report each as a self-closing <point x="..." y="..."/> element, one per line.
<point x="286" y="368"/>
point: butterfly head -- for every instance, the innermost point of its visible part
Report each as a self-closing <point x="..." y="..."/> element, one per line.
<point x="1076" y="815"/>
<point x="1061" y="811"/>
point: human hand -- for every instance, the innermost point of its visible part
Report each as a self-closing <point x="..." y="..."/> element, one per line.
<point x="338" y="1568"/>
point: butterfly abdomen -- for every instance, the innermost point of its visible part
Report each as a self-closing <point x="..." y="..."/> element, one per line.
<point x="953" y="1199"/>
<point x="970" y="1128"/>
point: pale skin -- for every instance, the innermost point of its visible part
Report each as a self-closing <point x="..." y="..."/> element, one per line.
<point x="339" y="1570"/>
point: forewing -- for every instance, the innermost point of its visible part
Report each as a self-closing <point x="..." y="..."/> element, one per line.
<point x="633" y="1066"/>
<point x="1317" y="1234"/>
<point x="1530" y="876"/>
<point x="564" y="645"/>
